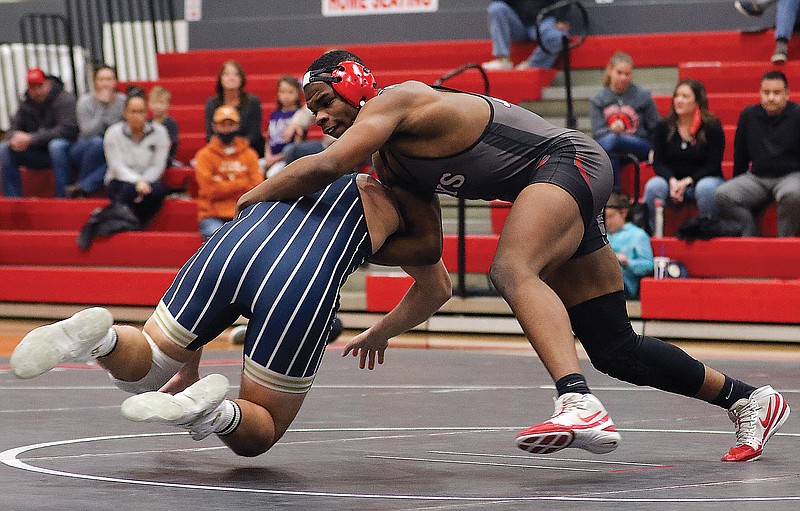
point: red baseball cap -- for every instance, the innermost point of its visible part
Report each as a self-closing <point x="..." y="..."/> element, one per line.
<point x="36" y="76"/>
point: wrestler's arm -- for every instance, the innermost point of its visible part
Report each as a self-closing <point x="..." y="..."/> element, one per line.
<point x="374" y="125"/>
<point x="430" y="290"/>
<point x="189" y="374"/>
<point x="419" y="243"/>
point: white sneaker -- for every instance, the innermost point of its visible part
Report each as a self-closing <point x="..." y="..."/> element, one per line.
<point x="75" y="339"/>
<point x="757" y="419"/>
<point x="523" y="66"/>
<point x="580" y="420"/>
<point x="194" y="409"/>
<point x="503" y="63"/>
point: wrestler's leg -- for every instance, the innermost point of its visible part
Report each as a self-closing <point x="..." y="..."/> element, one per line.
<point x="266" y="415"/>
<point x="596" y="276"/>
<point x="543" y="229"/>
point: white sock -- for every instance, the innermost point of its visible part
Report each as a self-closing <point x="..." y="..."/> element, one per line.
<point x="230" y="415"/>
<point x="107" y="344"/>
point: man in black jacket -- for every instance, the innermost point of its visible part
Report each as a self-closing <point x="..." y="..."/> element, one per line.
<point x="766" y="161"/>
<point x="515" y="21"/>
<point x="42" y="131"/>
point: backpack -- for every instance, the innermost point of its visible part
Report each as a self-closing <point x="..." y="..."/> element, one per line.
<point x="702" y="227"/>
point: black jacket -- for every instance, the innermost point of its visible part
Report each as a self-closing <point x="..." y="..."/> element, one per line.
<point x="770" y="145"/>
<point x="53" y="118"/>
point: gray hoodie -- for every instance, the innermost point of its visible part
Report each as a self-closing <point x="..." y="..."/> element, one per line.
<point x="635" y="107"/>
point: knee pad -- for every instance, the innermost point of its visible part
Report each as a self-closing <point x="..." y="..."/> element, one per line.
<point x="603" y="327"/>
<point x="161" y="370"/>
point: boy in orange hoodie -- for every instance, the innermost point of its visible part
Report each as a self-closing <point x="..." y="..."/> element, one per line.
<point x="226" y="168"/>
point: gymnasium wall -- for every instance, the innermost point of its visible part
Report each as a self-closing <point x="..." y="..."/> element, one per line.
<point x="258" y="23"/>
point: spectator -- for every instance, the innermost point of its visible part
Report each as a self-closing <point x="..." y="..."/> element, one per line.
<point x="688" y="145"/>
<point x="785" y="18"/>
<point x="296" y="129"/>
<point x="226" y="168"/>
<point x="230" y="91"/>
<point x="288" y="103"/>
<point x="96" y="112"/>
<point x="515" y="21"/>
<point x="766" y="160"/>
<point x="41" y="133"/>
<point x="623" y="114"/>
<point x="158" y="102"/>
<point x="136" y="152"/>
<point x="630" y="243"/>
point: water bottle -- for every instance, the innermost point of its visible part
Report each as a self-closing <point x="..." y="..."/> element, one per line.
<point x="658" y="221"/>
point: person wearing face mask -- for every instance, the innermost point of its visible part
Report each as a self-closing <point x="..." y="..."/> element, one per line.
<point x="226" y="168"/>
<point x="766" y="161"/>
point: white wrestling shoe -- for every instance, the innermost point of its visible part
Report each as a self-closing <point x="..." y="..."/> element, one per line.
<point x="580" y="420"/>
<point x="76" y="339"/>
<point x="757" y="419"/>
<point x="194" y="409"/>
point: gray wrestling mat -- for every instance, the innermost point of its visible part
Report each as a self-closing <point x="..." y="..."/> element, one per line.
<point x="429" y="430"/>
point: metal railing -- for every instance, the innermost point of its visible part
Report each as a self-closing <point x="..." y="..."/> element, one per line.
<point x="461" y="281"/>
<point x="578" y="35"/>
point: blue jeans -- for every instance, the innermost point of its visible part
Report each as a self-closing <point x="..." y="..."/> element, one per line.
<point x="701" y="193"/>
<point x="87" y="154"/>
<point x="54" y="156"/>
<point x="209" y="226"/>
<point x="624" y="143"/>
<point x="505" y="26"/>
<point x="785" y="17"/>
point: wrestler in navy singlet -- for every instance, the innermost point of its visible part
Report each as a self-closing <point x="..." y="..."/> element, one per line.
<point x="280" y="264"/>
<point x="518" y="148"/>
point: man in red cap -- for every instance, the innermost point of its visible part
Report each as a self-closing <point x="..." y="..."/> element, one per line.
<point x="42" y="129"/>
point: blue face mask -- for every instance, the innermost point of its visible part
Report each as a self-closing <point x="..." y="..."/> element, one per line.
<point x="226" y="138"/>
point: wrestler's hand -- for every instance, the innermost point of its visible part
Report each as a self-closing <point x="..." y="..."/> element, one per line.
<point x="179" y="382"/>
<point x="189" y="374"/>
<point x="367" y="347"/>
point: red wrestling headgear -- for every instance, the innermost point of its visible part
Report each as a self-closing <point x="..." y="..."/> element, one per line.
<point x="351" y="80"/>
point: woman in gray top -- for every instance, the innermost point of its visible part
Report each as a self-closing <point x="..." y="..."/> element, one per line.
<point x="623" y="114"/>
<point x="136" y="152"/>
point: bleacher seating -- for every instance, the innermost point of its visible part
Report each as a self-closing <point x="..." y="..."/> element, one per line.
<point x="40" y="262"/>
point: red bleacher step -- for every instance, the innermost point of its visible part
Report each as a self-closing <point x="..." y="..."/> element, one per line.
<point x="151" y="249"/>
<point x="721" y="76"/>
<point x="735" y="257"/>
<point x="84" y="285"/>
<point x="385" y="290"/>
<point x="70" y="215"/>
<point x="730" y="300"/>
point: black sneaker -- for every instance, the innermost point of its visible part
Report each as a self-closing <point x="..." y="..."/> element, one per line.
<point x="749" y="8"/>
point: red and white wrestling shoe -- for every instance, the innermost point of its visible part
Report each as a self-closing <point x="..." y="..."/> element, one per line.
<point x="580" y="420"/>
<point x="757" y="419"/>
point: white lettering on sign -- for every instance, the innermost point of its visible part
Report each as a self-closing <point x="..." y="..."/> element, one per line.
<point x="361" y="7"/>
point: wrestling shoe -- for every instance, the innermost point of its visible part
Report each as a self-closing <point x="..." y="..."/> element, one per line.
<point x="79" y="338"/>
<point x="580" y="420"/>
<point x="757" y="418"/>
<point x="749" y="8"/>
<point x="194" y="409"/>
